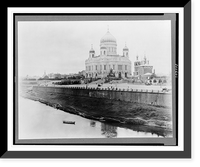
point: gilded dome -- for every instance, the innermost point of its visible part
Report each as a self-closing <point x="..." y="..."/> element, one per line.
<point x="108" y="37"/>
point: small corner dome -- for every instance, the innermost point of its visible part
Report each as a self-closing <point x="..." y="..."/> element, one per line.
<point x="125" y="48"/>
<point x="108" y="37"/>
<point x="92" y="50"/>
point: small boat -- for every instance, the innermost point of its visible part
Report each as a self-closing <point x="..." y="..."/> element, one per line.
<point x="69" y="122"/>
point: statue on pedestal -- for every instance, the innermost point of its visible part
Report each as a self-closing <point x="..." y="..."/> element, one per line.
<point x="111" y="73"/>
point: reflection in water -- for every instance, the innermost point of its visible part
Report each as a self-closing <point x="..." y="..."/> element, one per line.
<point x="92" y="123"/>
<point x="108" y="130"/>
<point x="146" y="130"/>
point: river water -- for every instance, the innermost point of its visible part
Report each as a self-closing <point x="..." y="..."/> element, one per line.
<point x="39" y="121"/>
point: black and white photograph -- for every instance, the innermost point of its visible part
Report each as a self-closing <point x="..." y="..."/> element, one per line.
<point x="103" y="78"/>
<point x="98" y="82"/>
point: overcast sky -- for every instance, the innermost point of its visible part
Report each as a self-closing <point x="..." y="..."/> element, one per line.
<point x="63" y="46"/>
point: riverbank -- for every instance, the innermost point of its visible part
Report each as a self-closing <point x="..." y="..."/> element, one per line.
<point x="107" y="110"/>
<point x="40" y="121"/>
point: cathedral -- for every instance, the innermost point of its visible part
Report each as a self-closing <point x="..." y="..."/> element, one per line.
<point x="99" y="66"/>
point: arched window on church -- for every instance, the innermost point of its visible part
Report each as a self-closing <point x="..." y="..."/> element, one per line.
<point x="104" y="52"/>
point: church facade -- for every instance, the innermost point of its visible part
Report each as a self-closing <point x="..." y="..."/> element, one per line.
<point x="142" y="69"/>
<point x="99" y="66"/>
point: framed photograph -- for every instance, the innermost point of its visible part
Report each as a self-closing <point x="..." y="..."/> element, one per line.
<point x="99" y="82"/>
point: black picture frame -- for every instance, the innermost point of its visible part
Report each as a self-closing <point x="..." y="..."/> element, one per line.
<point x="186" y="153"/>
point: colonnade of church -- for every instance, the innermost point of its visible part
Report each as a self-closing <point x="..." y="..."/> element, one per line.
<point x="103" y="70"/>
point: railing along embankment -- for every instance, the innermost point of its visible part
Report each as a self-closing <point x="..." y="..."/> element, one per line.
<point x="152" y="97"/>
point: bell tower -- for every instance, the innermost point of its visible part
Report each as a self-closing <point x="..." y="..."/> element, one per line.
<point x="91" y="52"/>
<point x="125" y="51"/>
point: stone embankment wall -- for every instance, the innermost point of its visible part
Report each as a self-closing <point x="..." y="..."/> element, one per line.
<point x="154" y="97"/>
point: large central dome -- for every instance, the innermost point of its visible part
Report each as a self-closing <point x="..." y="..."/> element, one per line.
<point x="108" y="37"/>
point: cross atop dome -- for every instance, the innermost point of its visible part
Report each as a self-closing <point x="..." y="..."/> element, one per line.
<point x="125" y="47"/>
<point x="137" y="57"/>
<point x="92" y="50"/>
